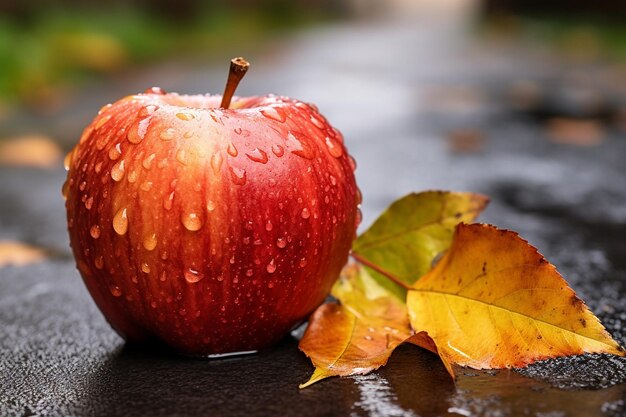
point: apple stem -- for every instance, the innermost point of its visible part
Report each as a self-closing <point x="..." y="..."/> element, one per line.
<point x="381" y="271"/>
<point x="238" y="68"/>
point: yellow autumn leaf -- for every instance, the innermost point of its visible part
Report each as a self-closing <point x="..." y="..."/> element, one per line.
<point x="358" y="335"/>
<point x="19" y="254"/>
<point x="493" y="301"/>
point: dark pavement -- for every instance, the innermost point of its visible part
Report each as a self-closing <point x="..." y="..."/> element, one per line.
<point x="421" y="107"/>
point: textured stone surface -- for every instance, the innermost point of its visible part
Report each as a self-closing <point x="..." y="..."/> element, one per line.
<point x="59" y="357"/>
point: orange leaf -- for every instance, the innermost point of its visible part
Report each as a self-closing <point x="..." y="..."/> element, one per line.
<point x="19" y="254"/>
<point x="359" y="335"/>
<point x="493" y="301"/>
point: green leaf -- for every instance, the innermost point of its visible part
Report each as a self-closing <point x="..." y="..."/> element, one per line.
<point x="403" y="242"/>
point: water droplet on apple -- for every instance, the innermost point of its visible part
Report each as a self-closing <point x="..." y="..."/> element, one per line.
<point x="145" y="268"/>
<point x="102" y="121"/>
<point x="99" y="262"/>
<point x="302" y="262"/>
<point x="270" y="284"/>
<point x="352" y="162"/>
<point x="98" y="167"/>
<point x="305" y="213"/>
<point x="89" y="203"/>
<point x="281" y="242"/>
<point x="181" y="156"/>
<point x="188" y="134"/>
<point x="155" y="90"/>
<point x="115" y="152"/>
<point x="153" y="304"/>
<point x="192" y="275"/>
<point x="367" y="337"/>
<point x="138" y="131"/>
<point x="95" y="231"/>
<point x="326" y="199"/>
<point x="269" y="226"/>
<point x="182" y="312"/>
<point x="163" y="276"/>
<point x="167" y="134"/>
<point x="117" y="172"/>
<point x="278" y="150"/>
<point x="317" y="121"/>
<point x="67" y="161"/>
<point x="147" y="162"/>
<point x="120" y="222"/>
<point x="216" y="162"/>
<point x="334" y="148"/>
<point x="146" y="186"/>
<point x="257" y="242"/>
<point x="232" y="150"/>
<point x="115" y="291"/>
<point x="299" y="145"/>
<point x="185" y="116"/>
<point x="258" y="155"/>
<point x="237" y="130"/>
<point x="334" y="219"/>
<point x="249" y="272"/>
<point x="132" y="176"/>
<point x="191" y="221"/>
<point x="231" y="260"/>
<point x="359" y="217"/>
<point x="82" y="185"/>
<point x="238" y="175"/>
<point x="333" y="180"/>
<point x="246" y="240"/>
<point x="274" y="113"/>
<point x="150" y="241"/>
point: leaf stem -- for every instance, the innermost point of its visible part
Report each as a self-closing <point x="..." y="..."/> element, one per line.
<point x="381" y="271"/>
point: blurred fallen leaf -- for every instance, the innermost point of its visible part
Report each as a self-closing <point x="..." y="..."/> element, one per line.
<point x="94" y="51"/>
<point x="19" y="254"/>
<point x="577" y="132"/>
<point x="525" y="94"/>
<point x="31" y="150"/>
<point x="466" y="140"/>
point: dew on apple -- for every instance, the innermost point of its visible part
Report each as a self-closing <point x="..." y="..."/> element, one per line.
<point x="145" y="268"/>
<point x="238" y="175"/>
<point x="269" y="226"/>
<point x="191" y="221"/>
<point x="163" y="276"/>
<point x="98" y="167"/>
<point x="138" y="131"/>
<point x="167" y="134"/>
<point x="185" y="116"/>
<point x="249" y="273"/>
<point x="146" y="186"/>
<point x="115" y="152"/>
<point x="117" y="172"/>
<point x="305" y="213"/>
<point x="67" y="161"/>
<point x="153" y="304"/>
<point x="216" y="162"/>
<point x="132" y="176"/>
<point x="89" y="203"/>
<point x="237" y="130"/>
<point x="232" y="150"/>
<point x="258" y="155"/>
<point x="333" y="148"/>
<point x="147" y="162"/>
<point x="192" y="276"/>
<point x="182" y="312"/>
<point x="278" y="150"/>
<point x="303" y="262"/>
<point x="271" y="267"/>
<point x="120" y="222"/>
<point x="95" y="231"/>
<point x="298" y="145"/>
<point x="181" y="156"/>
<point x="150" y="241"/>
<point x="99" y="262"/>
<point x="274" y="113"/>
<point x="317" y="121"/>
<point x="281" y="242"/>
<point x="115" y="291"/>
<point x="102" y="121"/>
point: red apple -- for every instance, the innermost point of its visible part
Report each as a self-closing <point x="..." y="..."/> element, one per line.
<point x="209" y="228"/>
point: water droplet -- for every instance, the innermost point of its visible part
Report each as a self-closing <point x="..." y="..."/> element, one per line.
<point x="317" y="121"/>
<point x="326" y="199"/>
<point x="115" y="291"/>
<point x="182" y="312"/>
<point x="146" y="186"/>
<point x="155" y="90"/>
<point x="305" y="213"/>
<point x="333" y="180"/>
<point x="257" y="242"/>
<point x="181" y="156"/>
<point x="147" y="163"/>
<point x="89" y="203"/>
<point x="167" y="134"/>
<point x="192" y="275"/>
<point x="82" y="185"/>
<point x="238" y="175"/>
<point x="268" y="226"/>
<point x="216" y="162"/>
<point x="302" y="262"/>
<point x="274" y="113"/>
<point x="232" y="150"/>
<point x="246" y="240"/>
<point x="232" y="260"/>
<point x="120" y="222"/>
<point x="163" y="276"/>
<point x="145" y="268"/>
<point x="153" y="304"/>
<point x="191" y="221"/>
<point x="237" y="130"/>
<point x="334" y="148"/>
<point x="270" y="284"/>
<point x="105" y="108"/>
<point x="132" y="176"/>
<point x="95" y="231"/>
<point x="352" y="162"/>
<point x="98" y="167"/>
<point x="249" y="272"/>
<point x="281" y="242"/>
<point x="258" y="155"/>
<point x="67" y="161"/>
<point x="334" y="219"/>
<point x="359" y="217"/>
<point x="102" y="121"/>
<point x="99" y="262"/>
<point x="278" y="150"/>
<point x="298" y="145"/>
<point x="138" y="131"/>
<point x="367" y="337"/>
<point x="150" y="241"/>
<point x="188" y="134"/>
<point x="117" y="172"/>
<point x="185" y="116"/>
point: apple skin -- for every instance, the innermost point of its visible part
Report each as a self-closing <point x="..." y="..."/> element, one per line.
<point x="210" y="230"/>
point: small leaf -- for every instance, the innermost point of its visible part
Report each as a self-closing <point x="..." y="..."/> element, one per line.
<point x="19" y="254"/>
<point x="359" y="335"/>
<point x="405" y="239"/>
<point x="493" y="301"/>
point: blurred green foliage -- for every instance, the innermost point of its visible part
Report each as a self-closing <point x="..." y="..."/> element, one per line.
<point x="44" y="51"/>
